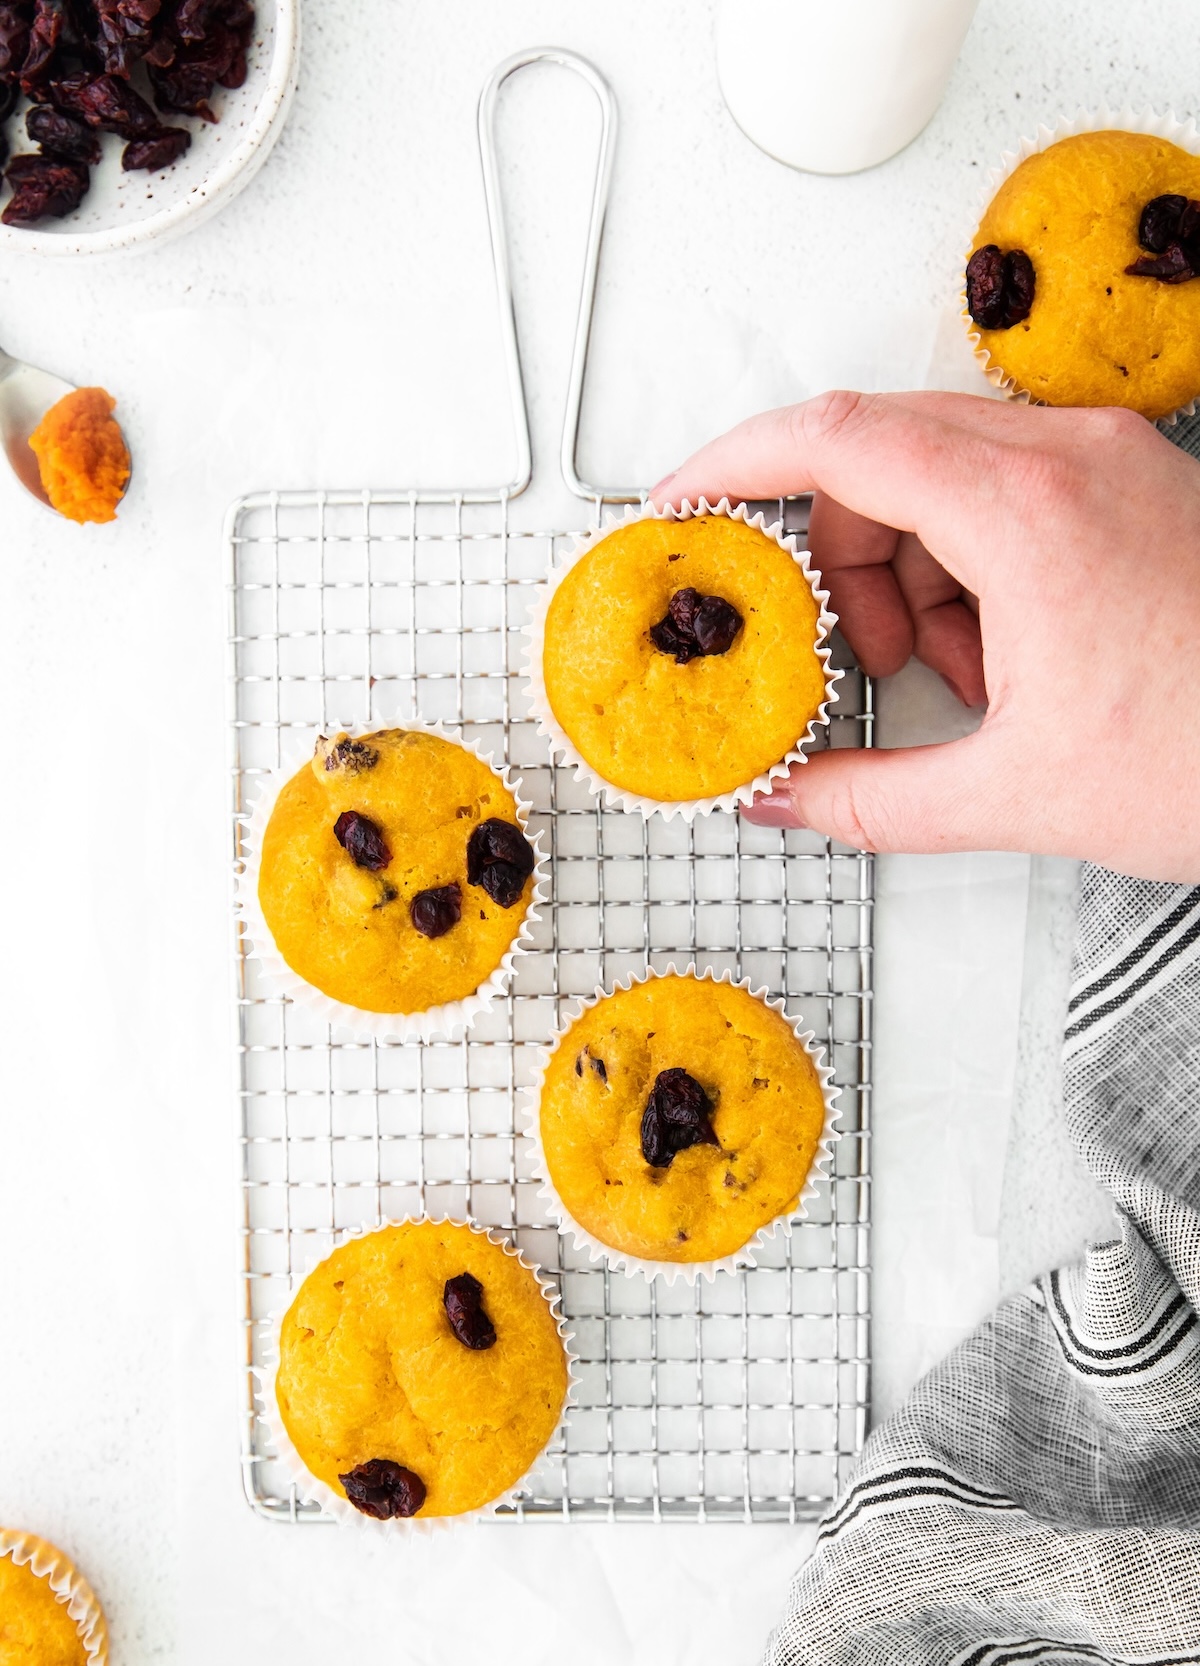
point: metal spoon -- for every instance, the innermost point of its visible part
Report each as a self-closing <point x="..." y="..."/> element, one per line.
<point x="26" y="394"/>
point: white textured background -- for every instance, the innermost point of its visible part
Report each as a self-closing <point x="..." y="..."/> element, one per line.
<point x="334" y="326"/>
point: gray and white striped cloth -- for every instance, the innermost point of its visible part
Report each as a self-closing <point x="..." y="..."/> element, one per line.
<point x="1038" y="1498"/>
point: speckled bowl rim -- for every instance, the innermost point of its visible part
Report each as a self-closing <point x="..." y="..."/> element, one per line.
<point x="1166" y="126"/>
<point x="564" y="749"/>
<point x="334" y="1504"/>
<point x="71" y="1589"/>
<point x="214" y="189"/>
<point x="687" y="1272"/>
<point x="447" y="1022"/>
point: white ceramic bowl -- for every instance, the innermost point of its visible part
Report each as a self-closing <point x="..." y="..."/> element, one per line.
<point x="125" y="210"/>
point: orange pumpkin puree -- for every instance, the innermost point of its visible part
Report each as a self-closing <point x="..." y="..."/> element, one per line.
<point x="82" y="456"/>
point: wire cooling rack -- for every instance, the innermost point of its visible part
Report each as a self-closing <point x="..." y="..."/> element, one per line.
<point x="746" y="1398"/>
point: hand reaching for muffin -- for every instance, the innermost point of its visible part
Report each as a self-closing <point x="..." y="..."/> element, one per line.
<point x="1047" y="564"/>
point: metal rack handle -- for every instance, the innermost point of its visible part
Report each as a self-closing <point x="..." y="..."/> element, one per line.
<point x="569" y="446"/>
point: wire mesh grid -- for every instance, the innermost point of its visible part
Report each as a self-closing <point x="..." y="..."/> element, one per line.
<point x="742" y="1399"/>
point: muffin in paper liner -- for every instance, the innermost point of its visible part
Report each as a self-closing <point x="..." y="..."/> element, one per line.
<point x="1166" y="126"/>
<point x="687" y="1271"/>
<point x="67" y="1583"/>
<point x="563" y="749"/>
<point x="311" y="1490"/>
<point x="446" y="1022"/>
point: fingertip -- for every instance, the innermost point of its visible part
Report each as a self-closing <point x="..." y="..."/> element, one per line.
<point x="970" y="692"/>
<point x="774" y="809"/>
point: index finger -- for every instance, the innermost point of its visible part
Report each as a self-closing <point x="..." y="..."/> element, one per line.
<point x="922" y="464"/>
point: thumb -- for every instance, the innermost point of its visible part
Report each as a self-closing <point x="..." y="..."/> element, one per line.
<point x="921" y="799"/>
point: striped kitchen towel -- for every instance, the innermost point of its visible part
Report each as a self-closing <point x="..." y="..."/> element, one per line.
<point x="1038" y="1498"/>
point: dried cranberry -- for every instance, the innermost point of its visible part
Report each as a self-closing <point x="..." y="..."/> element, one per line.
<point x="463" y="1300"/>
<point x="695" y="626"/>
<point x="193" y="18"/>
<point x="161" y="53"/>
<point x="183" y="88"/>
<point x="125" y="32"/>
<point x="598" y="1065"/>
<point x="383" y="1489"/>
<point x="500" y="859"/>
<point x="157" y="150"/>
<point x="1172" y="266"/>
<point x="61" y="135"/>
<point x="350" y="757"/>
<point x="78" y="36"/>
<point x="14" y="39"/>
<point x="1021" y="284"/>
<point x="435" y="911"/>
<point x="1170" y="228"/>
<point x="1159" y="222"/>
<point x="107" y="102"/>
<point x="362" y="840"/>
<point x="43" y="40"/>
<point x="235" y="75"/>
<point x="1000" y="287"/>
<point x="140" y="13"/>
<point x="668" y="640"/>
<point x="676" y="1116"/>
<point x="716" y="624"/>
<point x="43" y="187"/>
<point x="188" y="84"/>
<point x="10" y="93"/>
<point x="681" y="610"/>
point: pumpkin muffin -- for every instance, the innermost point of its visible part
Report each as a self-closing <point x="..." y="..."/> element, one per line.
<point x="421" y="1371"/>
<point x="1081" y="278"/>
<point x="679" y="1117"/>
<point x="395" y="872"/>
<point x="680" y="657"/>
<point x="36" y="1627"/>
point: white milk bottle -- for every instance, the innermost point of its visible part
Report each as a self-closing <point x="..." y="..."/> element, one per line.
<point x="836" y="85"/>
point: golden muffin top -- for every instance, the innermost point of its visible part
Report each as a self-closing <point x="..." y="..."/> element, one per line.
<point x="1093" y="332"/>
<point x="35" y="1628"/>
<point x="395" y="875"/>
<point x="423" y="1349"/>
<point x="680" y="657"/>
<point x="679" y="1117"/>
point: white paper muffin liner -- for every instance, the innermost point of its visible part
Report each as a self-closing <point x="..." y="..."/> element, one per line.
<point x="446" y="1022"/>
<point x="1166" y="126"/>
<point x="313" y="1491"/>
<point x="562" y="748"/>
<point x="68" y="1585"/>
<point x="686" y="1271"/>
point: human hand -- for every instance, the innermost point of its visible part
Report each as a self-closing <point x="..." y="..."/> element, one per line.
<point x="1046" y="563"/>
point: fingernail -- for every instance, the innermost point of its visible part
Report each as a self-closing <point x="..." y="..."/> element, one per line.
<point x="773" y="809"/>
<point x="663" y="483"/>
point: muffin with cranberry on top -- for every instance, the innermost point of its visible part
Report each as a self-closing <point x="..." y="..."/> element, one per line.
<point x="679" y="660"/>
<point x="422" y="1370"/>
<point x="1083" y="284"/>
<point x="395" y="874"/>
<point x="676" y="1120"/>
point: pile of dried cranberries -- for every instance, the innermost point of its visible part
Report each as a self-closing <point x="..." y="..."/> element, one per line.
<point x="77" y="61"/>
